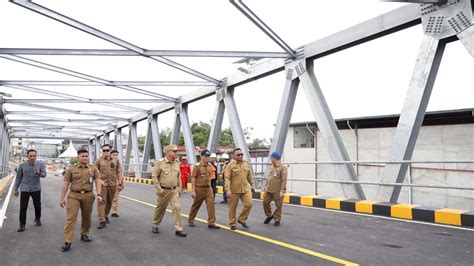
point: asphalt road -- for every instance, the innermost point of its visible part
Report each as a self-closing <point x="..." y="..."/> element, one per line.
<point x="306" y="237"/>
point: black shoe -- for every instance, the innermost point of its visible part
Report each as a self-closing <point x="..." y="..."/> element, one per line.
<point x="38" y="222"/>
<point x="155" y="230"/>
<point x="66" y="247"/>
<point x="243" y="224"/>
<point x="268" y="219"/>
<point x="233" y="227"/>
<point x="101" y="225"/>
<point x="21" y="228"/>
<point x="213" y="226"/>
<point x="115" y="215"/>
<point x="107" y="220"/>
<point x="85" y="238"/>
<point x="191" y="224"/>
<point x="277" y="223"/>
<point x="180" y="233"/>
<point x="223" y="202"/>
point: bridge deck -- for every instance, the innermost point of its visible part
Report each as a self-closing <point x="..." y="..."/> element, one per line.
<point x="306" y="237"/>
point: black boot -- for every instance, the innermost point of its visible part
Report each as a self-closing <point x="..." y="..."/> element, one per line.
<point x="101" y="225"/>
<point x="21" y="228"/>
<point x="66" y="247"/>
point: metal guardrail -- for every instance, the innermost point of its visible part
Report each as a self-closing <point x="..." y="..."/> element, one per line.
<point x="377" y="162"/>
<point x="370" y="183"/>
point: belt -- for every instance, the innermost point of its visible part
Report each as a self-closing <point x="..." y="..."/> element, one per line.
<point x="206" y="186"/>
<point x="167" y="187"/>
<point x="81" y="191"/>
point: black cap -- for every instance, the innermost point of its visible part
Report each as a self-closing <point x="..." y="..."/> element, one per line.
<point x="205" y="153"/>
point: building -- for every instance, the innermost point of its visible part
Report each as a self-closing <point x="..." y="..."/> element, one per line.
<point x="445" y="135"/>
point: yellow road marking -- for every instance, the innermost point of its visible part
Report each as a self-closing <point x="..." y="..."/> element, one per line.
<point x="266" y="239"/>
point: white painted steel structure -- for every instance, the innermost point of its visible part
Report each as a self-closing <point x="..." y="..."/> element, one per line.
<point x="443" y="21"/>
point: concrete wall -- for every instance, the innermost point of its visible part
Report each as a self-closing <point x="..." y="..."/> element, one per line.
<point x="298" y="171"/>
<point x="446" y="142"/>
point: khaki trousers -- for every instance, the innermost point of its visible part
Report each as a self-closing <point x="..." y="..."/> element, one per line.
<point x="203" y="194"/>
<point x="76" y="201"/>
<point x="115" y="202"/>
<point x="247" y="205"/>
<point x="267" y="199"/>
<point x="103" y="208"/>
<point x="170" y="197"/>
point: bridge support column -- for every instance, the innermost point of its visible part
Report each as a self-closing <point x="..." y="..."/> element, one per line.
<point x="411" y="117"/>
<point x="328" y="128"/>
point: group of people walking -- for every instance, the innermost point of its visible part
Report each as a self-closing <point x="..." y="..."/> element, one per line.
<point x="167" y="178"/>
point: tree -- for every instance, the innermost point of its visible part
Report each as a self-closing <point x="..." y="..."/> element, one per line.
<point x="226" y="139"/>
<point x="259" y="144"/>
<point x="201" y="132"/>
<point x="165" y="136"/>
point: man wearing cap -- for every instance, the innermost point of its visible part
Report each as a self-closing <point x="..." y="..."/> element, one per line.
<point x="275" y="189"/>
<point x="239" y="185"/>
<point x="167" y="180"/>
<point x="202" y="191"/>
<point x="185" y="169"/>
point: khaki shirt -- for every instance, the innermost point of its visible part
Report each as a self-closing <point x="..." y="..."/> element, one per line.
<point x="81" y="177"/>
<point x="238" y="177"/>
<point x="202" y="172"/>
<point x="110" y="170"/>
<point x="277" y="176"/>
<point x="166" y="174"/>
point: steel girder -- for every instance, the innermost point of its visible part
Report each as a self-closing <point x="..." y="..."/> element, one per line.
<point x="168" y="53"/>
<point x="108" y="37"/>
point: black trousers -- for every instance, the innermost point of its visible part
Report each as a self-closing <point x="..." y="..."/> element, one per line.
<point x="24" y="199"/>
<point x="214" y="186"/>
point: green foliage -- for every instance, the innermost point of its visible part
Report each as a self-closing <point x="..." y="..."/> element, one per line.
<point x="73" y="161"/>
<point x="226" y="139"/>
<point x="259" y="144"/>
<point x="201" y="131"/>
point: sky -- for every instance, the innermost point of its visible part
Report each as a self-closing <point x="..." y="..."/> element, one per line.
<point x="367" y="80"/>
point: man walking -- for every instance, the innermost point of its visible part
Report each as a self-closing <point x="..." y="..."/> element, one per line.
<point x="201" y="181"/>
<point x="222" y="165"/>
<point x="110" y="175"/>
<point x="239" y="185"/>
<point x="185" y="169"/>
<point x="167" y="180"/>
<point x="275" y="189"/>
<point x="28" y="181"/>
<point x="79" y="179"/>
<point x="120" y="187"/>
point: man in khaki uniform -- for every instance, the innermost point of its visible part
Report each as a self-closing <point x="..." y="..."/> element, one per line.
<point x="110" y="175"/>
<point x="239" y="185"/>
<point x="167" y="180"/>
<point x="202" y="190"/>
<point x="120" y="187"/>
<point x="275" y="189"/>
<point x="78" y="179"/>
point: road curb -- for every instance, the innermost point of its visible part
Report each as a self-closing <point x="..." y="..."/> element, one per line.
<point x="464" y="218"/>
<point x="5" y="184"/>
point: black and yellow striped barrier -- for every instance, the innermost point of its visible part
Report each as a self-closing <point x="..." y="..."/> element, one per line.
<point x="402" y="211"/>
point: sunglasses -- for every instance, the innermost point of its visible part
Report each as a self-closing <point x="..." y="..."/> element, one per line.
<point x="105" y="150"/>
<point x="239" y="154"/>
